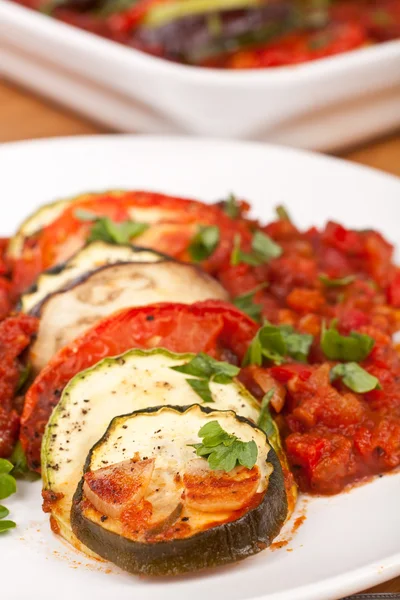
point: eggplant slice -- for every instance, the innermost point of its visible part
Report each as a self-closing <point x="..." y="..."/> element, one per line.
<point x="91" y="257"/>
<point x="159" y="528"/>
<point x="135" y="380"/>
<point x="65" y="315"/>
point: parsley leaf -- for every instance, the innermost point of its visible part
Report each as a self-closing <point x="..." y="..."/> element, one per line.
<point x="246" y="303"/>
<point x="107" y="230"/>
<point x="341" y="282"/>
<point x="265" y="421"/>
<point x="7" y="487"/>
<point x="231" y="207"/>
<point x="204" y="242"/>
<point x="265" y="247"/>
<point x="282" y="213"/>
<point x="263" y="250"/>
<point x="354" y="347"/>
<point x="223" y="450"/>
<point x="24" y="376"/>
<point x="275" y="343"/>
<point x="6" y="525"/>
<point x="20" y="465"/>
<point x="355" y="377"/>
<point x="207" y="369"/>
<point x="4" y="512"/>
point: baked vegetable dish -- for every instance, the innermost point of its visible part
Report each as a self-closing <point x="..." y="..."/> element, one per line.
<point x="177" y="370"/>
<point x="234" y="34"/>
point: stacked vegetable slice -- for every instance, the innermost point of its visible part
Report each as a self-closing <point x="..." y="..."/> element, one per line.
<point x="101" y="274"/>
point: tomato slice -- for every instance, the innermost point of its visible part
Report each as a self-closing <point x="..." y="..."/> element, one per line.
<point x="173" y="222"/>
<point x="213" y="327"/>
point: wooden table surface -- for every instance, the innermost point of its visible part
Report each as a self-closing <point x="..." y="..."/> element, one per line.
<point x="25" y="116"/>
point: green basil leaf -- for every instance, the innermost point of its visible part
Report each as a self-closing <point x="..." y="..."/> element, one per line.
<point x="282" y="213"/>
<point x="204" y="243"/>
<point x="246" y="303"/>
<point x="265" y="247"/>
<point x="354" y="347"/>
<point x="4" y="512"/>
<point x="5" y="466"/>
<point x="6" y="525"/>
<point x="8" y="485"/>
<point x="202" y="389"/>
<point x="265" y="421"/>
<point x="231" y="207"/>
<point x="355" y="377"/>
<point x="341" y="282"/>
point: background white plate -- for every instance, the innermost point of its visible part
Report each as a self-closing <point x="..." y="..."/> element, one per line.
<point x="347" y="542"/>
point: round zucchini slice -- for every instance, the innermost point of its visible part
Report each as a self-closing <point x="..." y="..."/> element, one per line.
<point x="91" y="257"/>
<point x="154" y="501"/>
<point x="135" y="380"/>
<point x="66" y="314"/>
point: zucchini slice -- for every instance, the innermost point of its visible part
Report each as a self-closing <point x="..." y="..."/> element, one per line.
<point x="135" y="380"/>
<point x="91" y="257"/>
<point x="43" y="216"/>
<point x="148" y="504"/>
<point x="67" y="313"/>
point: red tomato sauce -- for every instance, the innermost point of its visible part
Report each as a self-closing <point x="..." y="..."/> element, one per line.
<point x="333" y="437"/>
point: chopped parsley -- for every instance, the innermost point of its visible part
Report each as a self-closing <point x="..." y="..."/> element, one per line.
<point x="275" y="343"/>
<point x="263" y="249"/>
<point x="231" y="206"/>
<point x="8" y="486"/>
<point x="354" y="347"/>
<point x="265" y="421"/>
<point x="355" y="377"/>
<point x="204" y="242"/>
<point x="246" y="303"/>
<point x="340" y="282"/>
<point x="224" y="451"/>
<point x="107" y="230"/>
<point x="206" y="369"/>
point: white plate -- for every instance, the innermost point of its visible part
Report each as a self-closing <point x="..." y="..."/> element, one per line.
<point x="322" y="105"/>
<point x="348" y="542"/>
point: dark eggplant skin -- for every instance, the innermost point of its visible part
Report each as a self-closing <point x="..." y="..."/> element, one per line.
<point x="217" y="546"/>
<point x="36" y="311"/>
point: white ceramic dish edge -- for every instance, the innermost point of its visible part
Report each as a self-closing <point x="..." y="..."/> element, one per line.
<point x="321" y="105"/>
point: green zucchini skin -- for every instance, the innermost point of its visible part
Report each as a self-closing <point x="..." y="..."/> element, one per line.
<point x="217" y="546"/>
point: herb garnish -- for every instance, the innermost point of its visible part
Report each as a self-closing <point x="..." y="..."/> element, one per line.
<point x="263" y="250"/>
<point x="204" y="242"/>
<point x="207" y="369"/>
<point x="282" y="213"/>
<point x="231" y="207"/>
<point x="265" y="421"/>
<point x="107" y="230"/>
<point x="223" y="450"/>
<point x="7" y="487"/>
<point x="246" y="303"/>
<point x="340" y="282"/>
<point x="275" y="343"/>
<point x="355" y="377"/>
<point x="354" y="347"/>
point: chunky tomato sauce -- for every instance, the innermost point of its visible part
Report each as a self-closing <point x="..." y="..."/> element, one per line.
<point x="268" y="34"/>
<point x="332" y="436"/>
